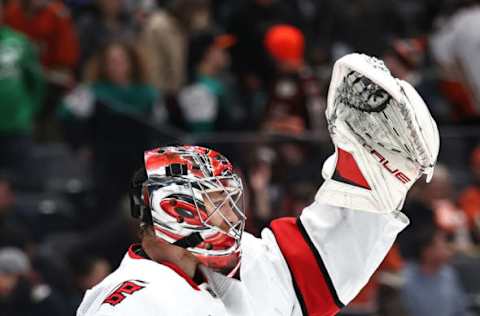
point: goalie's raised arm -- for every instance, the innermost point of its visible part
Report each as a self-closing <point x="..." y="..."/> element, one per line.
<point x="189" y="202"/>
<point x="385" y="139"/>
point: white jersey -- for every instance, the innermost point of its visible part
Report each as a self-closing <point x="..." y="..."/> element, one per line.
<point x="311" y="265"/>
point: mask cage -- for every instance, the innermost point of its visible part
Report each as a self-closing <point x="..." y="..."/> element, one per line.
<point x="210" y="197"/>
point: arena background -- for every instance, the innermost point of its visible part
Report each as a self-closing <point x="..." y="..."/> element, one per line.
<point x="87" y="85"/>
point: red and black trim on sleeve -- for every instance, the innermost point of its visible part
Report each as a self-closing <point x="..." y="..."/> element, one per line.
<point x="124" y="290"/>
<point x="311" y="281"/>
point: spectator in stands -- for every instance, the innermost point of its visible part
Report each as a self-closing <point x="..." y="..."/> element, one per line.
<point x="281" y="182"/>
<point x="294" y="164"/>
<point x="79" y="7"/>
<point x="295" y="92"/>
<point x="364" y="26"/>
<point x="264" y="194"/>
<point x="109" y="21"/>
<point x="21" y="92"/>
<point x="165" y="40"/>
<point x="381" y="295"/>
<point x="251" y="64"/>
<point x="418" y="210"/>
<point x="205" y="102"/>
<point x="140" y="10"/>
<point x="469" y="199"/>
<point x="88" y="271"/>
<point x="455" y="48"/>
<point x="438" y="195"/>
<point x="110" y="115"/>
<point x="405" y="58"/>
<point x="19" y="294"/>
<point x="298" y="194"/>
<point x="431" y="285"/>
<point x="49" y="25"/>
<point x="248" y="24"/>
<point x="298" y="177"/>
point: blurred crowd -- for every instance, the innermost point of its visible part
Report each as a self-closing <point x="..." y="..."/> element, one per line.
<point x="87" y="85"/>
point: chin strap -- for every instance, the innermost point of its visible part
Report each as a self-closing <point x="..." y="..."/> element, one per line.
<point x="189" y="241"/>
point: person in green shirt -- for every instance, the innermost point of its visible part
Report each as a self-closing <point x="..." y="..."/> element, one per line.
<point x="108" y="118"/>
<point x="21" y="94"/>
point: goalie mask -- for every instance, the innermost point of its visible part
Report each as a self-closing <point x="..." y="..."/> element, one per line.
<point x="192" y="199"/>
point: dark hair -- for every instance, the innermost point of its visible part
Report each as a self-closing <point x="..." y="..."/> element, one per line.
<point x="82" y="263"/>
<point x="96" y="68"/>
<point x="417" y="236"/>
<point x="184" y="9"/>
<point x="419" y="213"/>
<point x="198" y="46"/>
<point x="417" y="240"/>
<point x="6" y="176"/>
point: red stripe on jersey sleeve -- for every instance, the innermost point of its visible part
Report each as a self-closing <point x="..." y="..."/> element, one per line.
<point x="312" y="284"/>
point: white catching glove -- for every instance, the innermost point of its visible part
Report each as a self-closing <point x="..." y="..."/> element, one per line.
<point x="384" y="137"/>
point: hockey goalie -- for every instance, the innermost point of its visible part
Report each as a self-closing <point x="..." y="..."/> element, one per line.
<point x="194" y="257"/>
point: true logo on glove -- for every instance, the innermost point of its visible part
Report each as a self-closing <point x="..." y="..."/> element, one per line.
<point x="384" y="162"/>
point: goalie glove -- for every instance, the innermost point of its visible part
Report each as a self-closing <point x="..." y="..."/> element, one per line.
<point x="384" y="137"/>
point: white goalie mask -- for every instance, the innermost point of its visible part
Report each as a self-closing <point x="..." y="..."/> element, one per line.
<point x="193" y="199"/>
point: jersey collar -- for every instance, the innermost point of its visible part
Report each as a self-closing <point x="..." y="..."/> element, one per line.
<point x="136" y="252"/>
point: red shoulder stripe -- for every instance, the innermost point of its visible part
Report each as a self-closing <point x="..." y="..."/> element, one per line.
<point x="133" y="255"/>
<point x="312" y="283"/>
<point x="181" y="273"/>
<point x="131" y="252"/>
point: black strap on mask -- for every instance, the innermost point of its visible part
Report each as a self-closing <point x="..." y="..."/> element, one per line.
<point x="189" y="241"/>
<point x="138" y="208"/>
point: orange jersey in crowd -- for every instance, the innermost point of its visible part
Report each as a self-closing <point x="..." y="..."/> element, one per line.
<point x="51" y="28"/>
